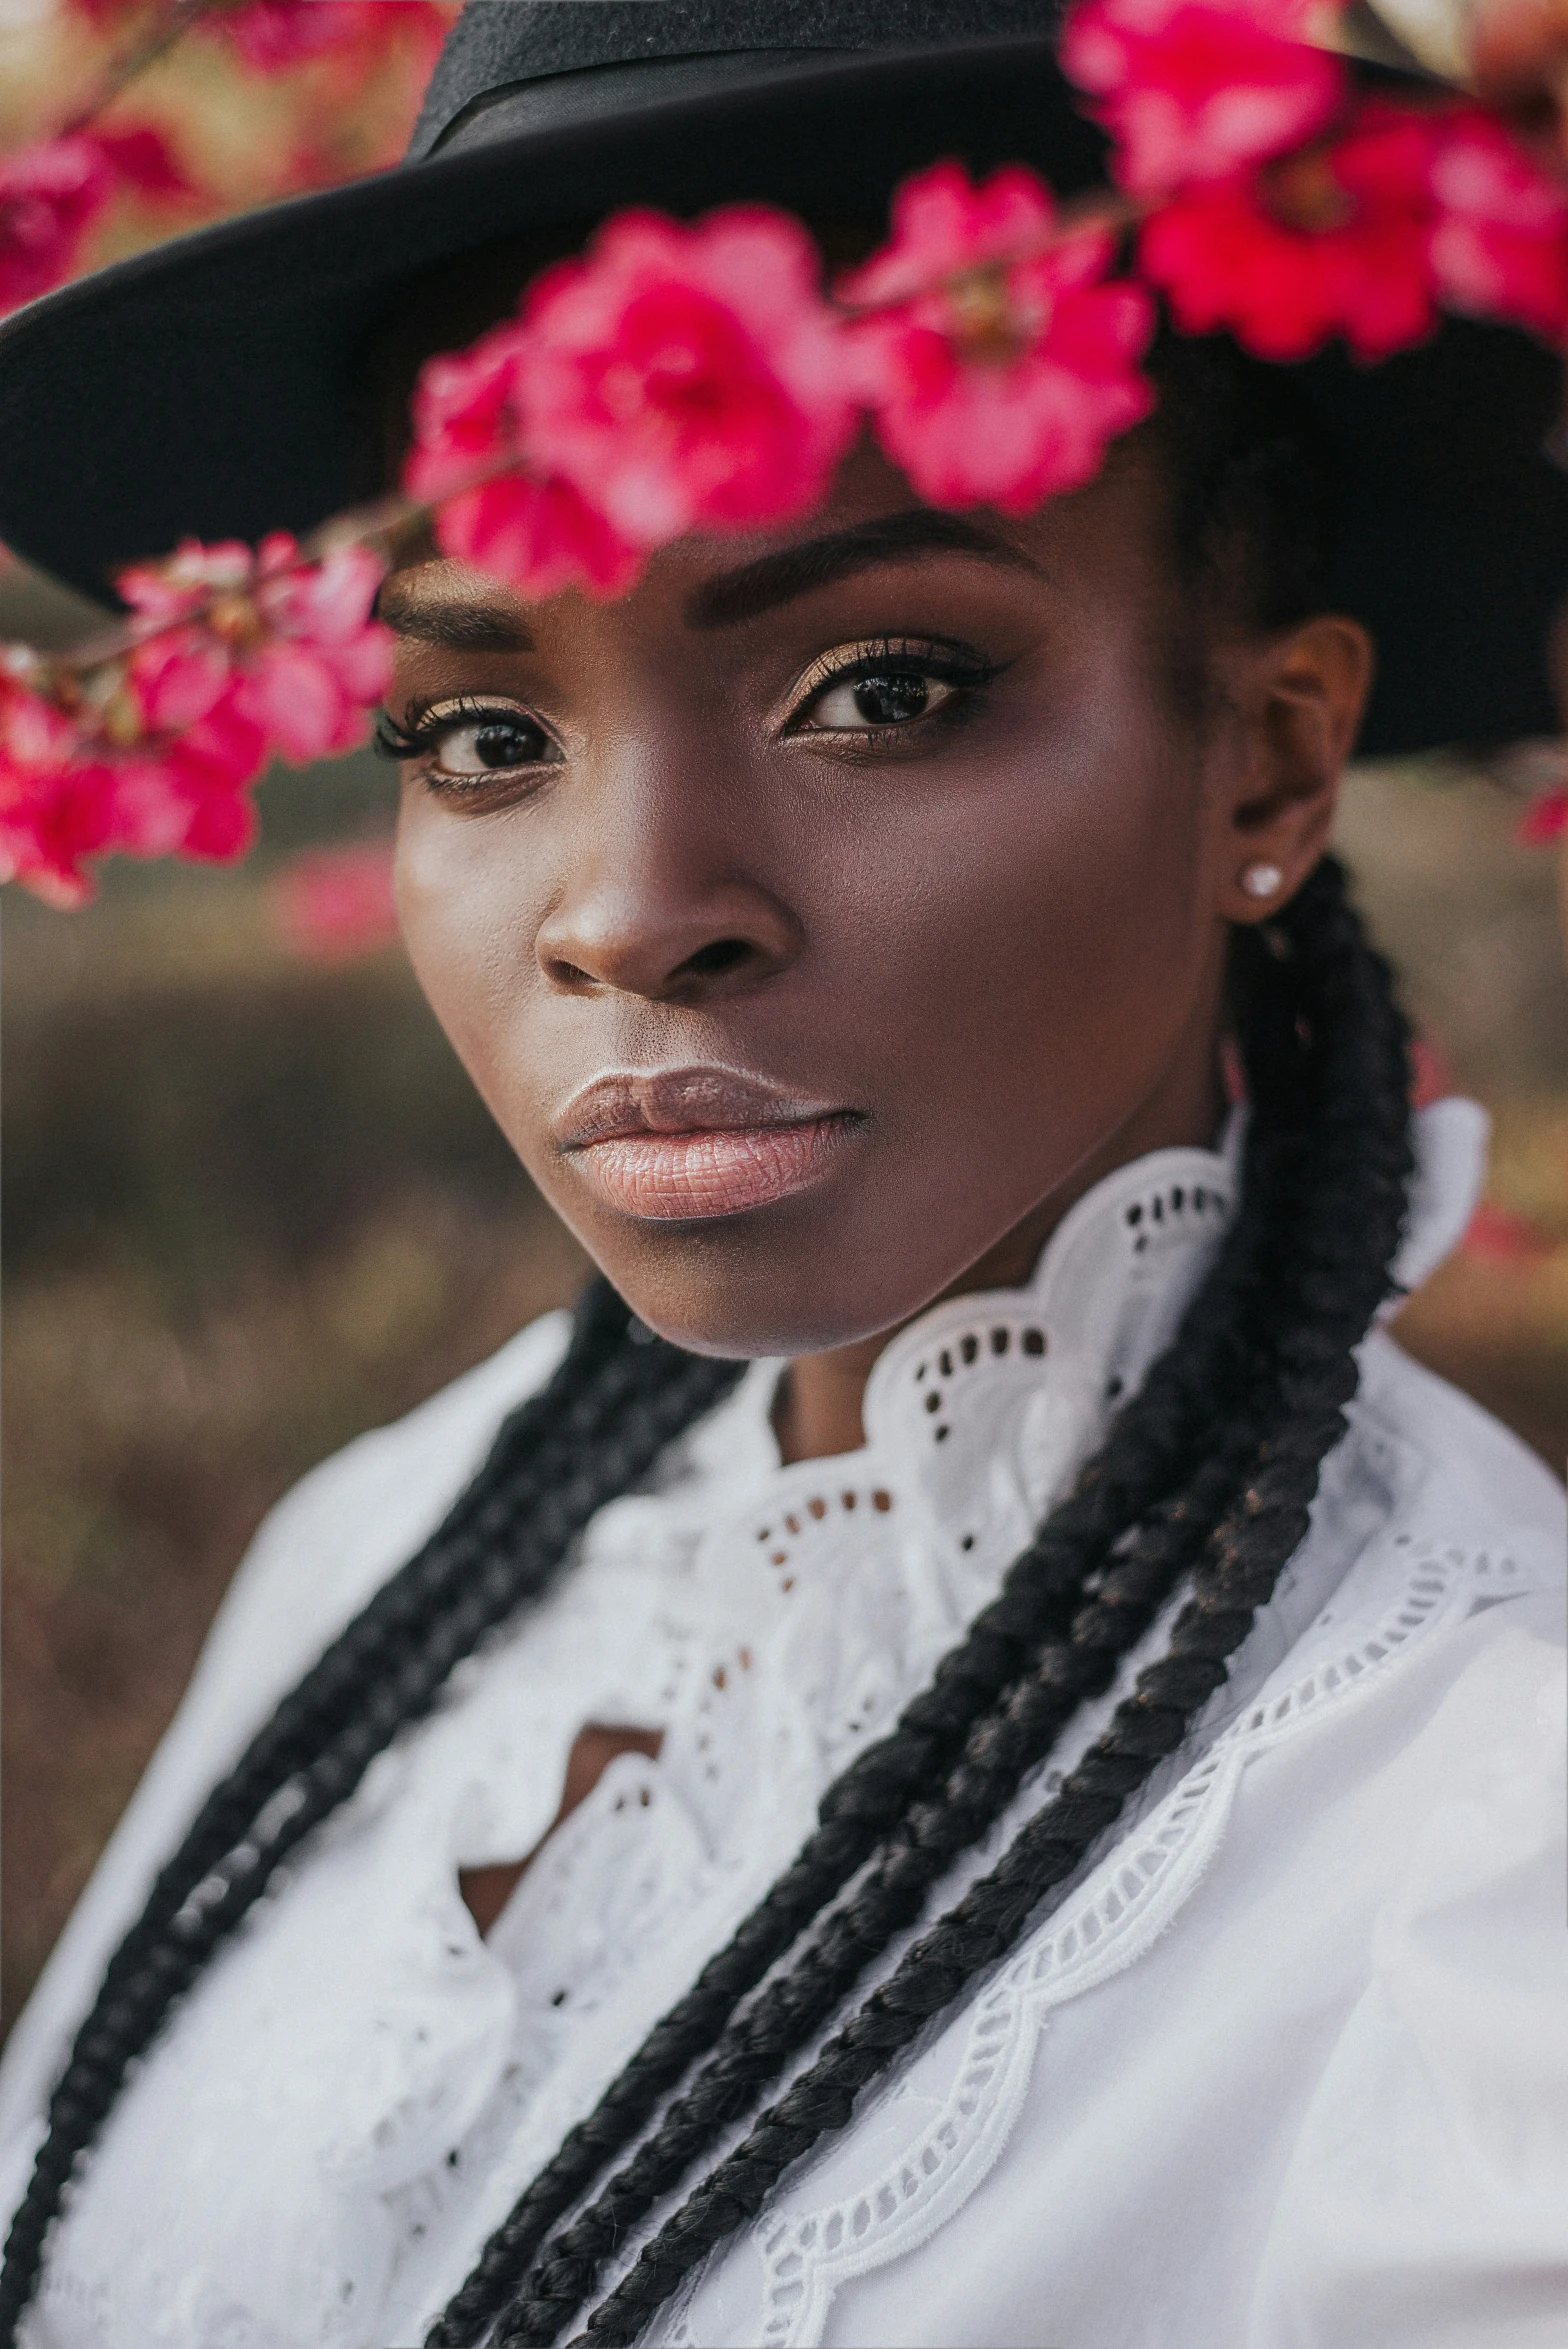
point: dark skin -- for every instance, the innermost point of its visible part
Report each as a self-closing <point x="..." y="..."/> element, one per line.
<point x="919" y="826"/>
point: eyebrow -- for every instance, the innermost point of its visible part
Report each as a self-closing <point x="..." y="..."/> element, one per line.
<point x="799" y="570"/>
<point x="459" y="626"/>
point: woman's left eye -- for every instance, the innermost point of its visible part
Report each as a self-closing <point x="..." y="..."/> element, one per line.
<point x="875" y="689"/>
<point x="888" y="697"/>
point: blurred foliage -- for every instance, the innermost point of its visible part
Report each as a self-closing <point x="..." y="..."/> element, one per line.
<point x="244" y="133"/>
<point x="252" y="1206"/>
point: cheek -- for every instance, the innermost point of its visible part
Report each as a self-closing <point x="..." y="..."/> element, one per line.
<point x="469" y="928"/>
<point x="1045" y="943"/>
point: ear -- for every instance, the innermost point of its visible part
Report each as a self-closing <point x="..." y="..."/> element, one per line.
<point x="1299" y="698"/>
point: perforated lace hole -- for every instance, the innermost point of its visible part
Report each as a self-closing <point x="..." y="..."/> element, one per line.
<point x="1034" y="1341"/>
<point x="1001" y="1339"/>
<point x="933" y="1402"/>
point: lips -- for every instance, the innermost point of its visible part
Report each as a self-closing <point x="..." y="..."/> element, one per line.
<point x="697" y="1142"/>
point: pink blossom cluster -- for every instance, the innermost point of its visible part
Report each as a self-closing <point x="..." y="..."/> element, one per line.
<point x="236" y="658"/>
<point x="335" y="904"/>
<point x="53" y="194"/>
<point x="1284" y="207"/>
<point x="700" y="377"/>
<point x="271" y="35"/>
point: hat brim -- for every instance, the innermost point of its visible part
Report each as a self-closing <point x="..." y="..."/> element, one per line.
<point x="216" y="386"/>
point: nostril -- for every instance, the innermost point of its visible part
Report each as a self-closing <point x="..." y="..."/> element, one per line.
<point x="709" y="961"/>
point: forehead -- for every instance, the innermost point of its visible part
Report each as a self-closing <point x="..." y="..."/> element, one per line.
<point x="1108" y="540"/>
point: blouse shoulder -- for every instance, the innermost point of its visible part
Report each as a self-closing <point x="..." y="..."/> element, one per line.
<point x="1423" y="2198"/>
<point x="316" y="1558"/>
<point x="351" y="1522"/>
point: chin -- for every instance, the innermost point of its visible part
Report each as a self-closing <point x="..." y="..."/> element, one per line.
<point x="713" y="1289"/>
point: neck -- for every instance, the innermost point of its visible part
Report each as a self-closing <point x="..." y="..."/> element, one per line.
<point x="819" y="1411"/>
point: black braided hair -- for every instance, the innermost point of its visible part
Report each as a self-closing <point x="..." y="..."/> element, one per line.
<point x="1303" y="1271"/>
<point x="595" y="1430"/>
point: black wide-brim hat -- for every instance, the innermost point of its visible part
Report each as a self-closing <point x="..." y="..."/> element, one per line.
<point x="217" y="386"/>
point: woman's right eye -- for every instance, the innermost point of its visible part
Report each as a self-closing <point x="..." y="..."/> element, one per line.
<point x="467" y="743"/>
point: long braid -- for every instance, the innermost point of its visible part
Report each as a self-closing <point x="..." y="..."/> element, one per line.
<point x="1330" y="1150"/>
<point x="1141" y="1480"/>
<point x="596" y="1429"/>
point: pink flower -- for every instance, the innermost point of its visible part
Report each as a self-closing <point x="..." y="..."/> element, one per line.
<point x="1545" y="819"/>
<point x="1431" y="1078"/>
<point x="1500" y="246"/>
<point x="190" y="796"/>
<point x="170" y="589"/>
<point x="1195" y="89"/>
<point x="1335" y="239"/>
<point x="142" y="158"/>
<point x="323" y="662"/>
<point x="56" y="804"/>
<point x="1000" y="365"/>
<point x="334" y="904"/>
<point x="685" y="378"/>
<point x="272" y="35"/>
<point x="50" y="195"/>
<point x="466" y="414"/>
<point x="286" y="650"/>
<point x="1497" y="1236"/>
<point x="540" y="535"/>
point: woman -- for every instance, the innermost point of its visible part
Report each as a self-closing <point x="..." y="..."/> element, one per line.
<point x="1027" y="1813"/>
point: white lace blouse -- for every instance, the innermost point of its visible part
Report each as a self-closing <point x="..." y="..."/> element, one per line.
<point x="1287" y="2069"/>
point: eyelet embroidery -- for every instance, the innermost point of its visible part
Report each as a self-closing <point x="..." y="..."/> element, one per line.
<point x="786" y="1528"/>
<point x="1127" y="1902"/>
<point x="1168" y="1213"/>
<point x="1020" y="1336"/>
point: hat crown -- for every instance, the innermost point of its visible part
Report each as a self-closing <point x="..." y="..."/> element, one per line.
<point x="503" y="45"/>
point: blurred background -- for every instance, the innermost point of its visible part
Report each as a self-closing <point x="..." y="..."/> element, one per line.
<point x="251" y="1205"/>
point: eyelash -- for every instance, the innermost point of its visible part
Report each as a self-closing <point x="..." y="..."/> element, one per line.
<point x="959" y="666"/>
<point x="421" y="731"/>
<point x="426" y="723"/>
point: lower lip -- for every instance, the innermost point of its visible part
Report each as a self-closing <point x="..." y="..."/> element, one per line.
<point x="720" y="1171"/>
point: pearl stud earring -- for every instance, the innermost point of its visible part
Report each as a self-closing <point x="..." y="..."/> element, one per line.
<point x="1261" y="880"/>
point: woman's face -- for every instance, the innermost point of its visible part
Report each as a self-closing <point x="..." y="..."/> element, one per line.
<point x="834" y="905"/>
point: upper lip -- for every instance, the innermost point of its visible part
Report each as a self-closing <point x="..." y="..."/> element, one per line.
<point x="679" y="1101"/>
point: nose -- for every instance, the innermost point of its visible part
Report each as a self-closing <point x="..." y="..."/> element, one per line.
<point x="661" y="898"/>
